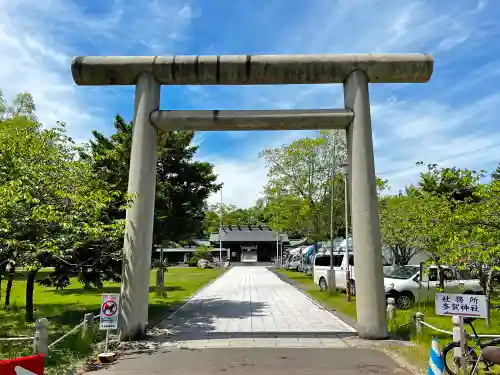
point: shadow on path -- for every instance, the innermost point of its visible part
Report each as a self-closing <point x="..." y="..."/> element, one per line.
<point x="199" y="319"/>
<point x="218" y="319"/>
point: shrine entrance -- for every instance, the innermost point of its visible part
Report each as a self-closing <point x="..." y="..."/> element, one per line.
<point x="355" y="72"/>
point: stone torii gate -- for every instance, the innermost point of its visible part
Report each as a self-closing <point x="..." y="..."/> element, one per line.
<point x="148" y="73"/>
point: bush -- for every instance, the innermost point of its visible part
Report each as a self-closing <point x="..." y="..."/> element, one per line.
<point x="203" y="252"/>
<point x="193" y="261"/>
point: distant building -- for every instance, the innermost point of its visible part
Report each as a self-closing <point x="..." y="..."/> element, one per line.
<point x="240" y="243"/>
<point x="249" y="243"/>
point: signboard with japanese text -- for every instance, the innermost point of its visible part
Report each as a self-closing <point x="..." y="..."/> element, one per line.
<point x="465" y="305"/>
<point x="110" y="304"/>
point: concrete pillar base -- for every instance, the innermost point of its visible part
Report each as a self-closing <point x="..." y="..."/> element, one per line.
<point x="367" y="333"/>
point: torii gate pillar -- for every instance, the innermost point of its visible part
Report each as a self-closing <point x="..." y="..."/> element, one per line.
<point x="147" y="73"/>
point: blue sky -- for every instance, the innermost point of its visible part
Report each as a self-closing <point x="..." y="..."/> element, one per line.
<point x="458" y="111"/>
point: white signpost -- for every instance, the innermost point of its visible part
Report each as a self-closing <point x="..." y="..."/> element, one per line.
<point x="462" y="306"/>
<point x="110" y="304"/>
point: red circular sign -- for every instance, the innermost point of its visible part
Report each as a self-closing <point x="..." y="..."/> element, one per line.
<point x="109" y="308"/>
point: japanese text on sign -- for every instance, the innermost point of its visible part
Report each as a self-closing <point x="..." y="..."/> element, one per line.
<point x="109" y="311"/>
<point x="468" y="305"/>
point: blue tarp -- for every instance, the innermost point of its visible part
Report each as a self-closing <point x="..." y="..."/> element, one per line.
<point x="310" y="251"/>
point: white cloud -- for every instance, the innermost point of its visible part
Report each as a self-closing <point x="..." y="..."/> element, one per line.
<point x="242" y="181"/>
<point x="406" y="129"/>
<point x="244" y="176"/>
<point x="38" y="40"/>
<point x="435" y="132"/>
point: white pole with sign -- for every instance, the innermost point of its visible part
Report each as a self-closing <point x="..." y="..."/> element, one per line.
<point x="108" y="320"/>
<point x="462" y="306"/>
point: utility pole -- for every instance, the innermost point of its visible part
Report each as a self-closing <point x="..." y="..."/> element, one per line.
<point x="332" y="190"/>
<point x="277" y="246"/>
<point x="331" y="275"/>
<point x="220" y="230"/>
<point x="278" y="234"/>
<point x="346" y="209"/>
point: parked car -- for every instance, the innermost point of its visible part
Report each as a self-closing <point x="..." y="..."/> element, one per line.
<point x="293" y="262"/>
<point x="404" y="284"/>
<point x="340" y="264"/>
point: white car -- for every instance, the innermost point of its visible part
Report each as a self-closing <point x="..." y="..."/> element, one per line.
<point x="404" y="286"/>
<point x="340" y="265"/>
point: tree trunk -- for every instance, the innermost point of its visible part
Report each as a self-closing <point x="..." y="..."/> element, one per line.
<point x="30" y="288"/>
<point x="441" y="279"/>
<point x="8" y="289"/>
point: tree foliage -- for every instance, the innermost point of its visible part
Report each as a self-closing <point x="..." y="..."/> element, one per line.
<point x="450" y="216"/>
<point x="301" y="174"/>
<point x="182" y="185"/>
<point x="50" y="202"/>
<point x="63" y="205"/>
<point x="400" y="229"/>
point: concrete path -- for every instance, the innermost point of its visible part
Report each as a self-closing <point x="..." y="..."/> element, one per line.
<point x="257" y="361"/>
<point x="250" y="322"/>
<point x="248" y="304"/>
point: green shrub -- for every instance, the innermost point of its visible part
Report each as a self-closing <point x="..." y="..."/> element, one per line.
<point x="204" y="252"/>
<point x="193" y="261"/>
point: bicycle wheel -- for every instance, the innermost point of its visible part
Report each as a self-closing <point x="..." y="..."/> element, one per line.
<point x="452" y="363"/>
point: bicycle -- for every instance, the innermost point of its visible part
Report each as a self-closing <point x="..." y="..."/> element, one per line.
<point x="489" y="354"/>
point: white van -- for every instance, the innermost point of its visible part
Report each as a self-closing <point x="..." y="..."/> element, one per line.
<point x="340" y="265"/>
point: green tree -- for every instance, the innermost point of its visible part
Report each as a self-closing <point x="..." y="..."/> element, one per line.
<point x="49" y="200"/>
<point x="182" y="184"/>
<point x="301" y="172"/>
<point x="455" y="183"/>
<point x="400" y="229"/>
<point x="495" y="175"/>
<point x="22" y="105"/>
<point x="474" y="246"/>
<point x="231" y="215"/>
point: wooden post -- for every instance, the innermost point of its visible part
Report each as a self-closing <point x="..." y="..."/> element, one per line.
<point x="160" y="282"/>
<point x="391" y="310"/>
<point x="88" y="326"/>
<point x="41" y="339"/>
<point x="417" y="326"/>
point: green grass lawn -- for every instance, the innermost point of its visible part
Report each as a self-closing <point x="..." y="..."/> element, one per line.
<point x="419" y="355"/>
<point x="65" y="309"/>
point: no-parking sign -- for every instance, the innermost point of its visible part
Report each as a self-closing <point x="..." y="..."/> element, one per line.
<point x="110" y="304"/>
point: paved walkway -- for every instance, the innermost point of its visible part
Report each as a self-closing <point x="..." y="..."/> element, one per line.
<point x="256" y="361"/>
<point x="251" y="306"/>
<point x="251" y="322"/>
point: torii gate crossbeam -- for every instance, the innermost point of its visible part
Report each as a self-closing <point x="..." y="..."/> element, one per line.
<point x="147" y="73"/>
